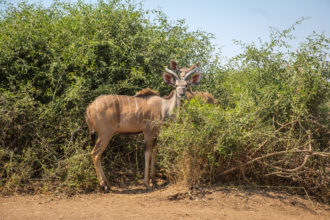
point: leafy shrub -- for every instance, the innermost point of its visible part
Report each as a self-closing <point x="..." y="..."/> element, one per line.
<point x="271" y="127"/>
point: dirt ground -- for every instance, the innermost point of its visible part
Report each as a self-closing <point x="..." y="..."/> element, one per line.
<point x="167" y="203"/>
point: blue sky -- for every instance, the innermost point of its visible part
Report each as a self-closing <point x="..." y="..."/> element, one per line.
<point x="244" y="20"/>
<point x="247" y="20"/>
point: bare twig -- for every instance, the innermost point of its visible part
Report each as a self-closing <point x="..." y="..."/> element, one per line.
<point x="316" y="122"/>
<point x="311" y="153"/>
<point x="266" y="141"/>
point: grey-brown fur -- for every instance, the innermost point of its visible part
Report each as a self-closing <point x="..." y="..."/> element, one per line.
<point x="205" y="96"/>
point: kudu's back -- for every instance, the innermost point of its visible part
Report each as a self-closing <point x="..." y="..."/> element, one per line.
<point x="123" y="114"/>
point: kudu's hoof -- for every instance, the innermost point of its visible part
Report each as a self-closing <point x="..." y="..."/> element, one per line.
<point x="148" y="188"/>
<point x="105" y="188"/>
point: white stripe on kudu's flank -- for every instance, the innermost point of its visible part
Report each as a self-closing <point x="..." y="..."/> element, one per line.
<point x="137" y="111"/>
<point x="136" y="105"/>
<point x="107" y="100"/>
<point x="118" y="100"/>
<point x="129" y="105"/>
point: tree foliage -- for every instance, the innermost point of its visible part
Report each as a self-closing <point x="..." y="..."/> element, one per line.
<point x="271" y="126"/>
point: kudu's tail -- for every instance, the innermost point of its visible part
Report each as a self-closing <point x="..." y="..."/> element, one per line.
<point x="92" y="133"/>
<point x="92" y="136"/>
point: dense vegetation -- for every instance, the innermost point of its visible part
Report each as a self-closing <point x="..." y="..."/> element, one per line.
<point x="270" y="127"/>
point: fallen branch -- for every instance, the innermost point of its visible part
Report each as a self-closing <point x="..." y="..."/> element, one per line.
<point x="310" y="153"/>
<point x="301" y="165"/>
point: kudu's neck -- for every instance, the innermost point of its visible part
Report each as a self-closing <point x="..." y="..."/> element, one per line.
<point x="171" y="104"/>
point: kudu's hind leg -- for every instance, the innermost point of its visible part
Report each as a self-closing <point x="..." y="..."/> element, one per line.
<point x="100" y="146"/>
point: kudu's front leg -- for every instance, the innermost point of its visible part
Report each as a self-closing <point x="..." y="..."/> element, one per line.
<point x="149" y="140"/>
<point x="153" y="163"/>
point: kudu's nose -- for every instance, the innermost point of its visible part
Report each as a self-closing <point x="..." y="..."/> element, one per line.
<point x="182" y="93"/>
<point x="182" y="96"/>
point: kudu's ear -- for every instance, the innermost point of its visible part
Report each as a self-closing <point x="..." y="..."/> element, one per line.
<point x="168" y="79"/>
<point x="195" y="79"/>
<point x="174" y="65"/>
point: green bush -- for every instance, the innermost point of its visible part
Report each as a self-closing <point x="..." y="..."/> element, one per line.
<point x="271" y="125"/>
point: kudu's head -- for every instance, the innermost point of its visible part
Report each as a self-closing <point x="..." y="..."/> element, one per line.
<point x="171" y="78"/>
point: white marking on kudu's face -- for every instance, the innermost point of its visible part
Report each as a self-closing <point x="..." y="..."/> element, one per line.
<point x="181" y="88"/>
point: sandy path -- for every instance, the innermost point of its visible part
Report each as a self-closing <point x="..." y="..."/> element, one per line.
<point x="166" y="203"/>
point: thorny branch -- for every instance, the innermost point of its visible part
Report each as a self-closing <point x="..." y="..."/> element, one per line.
<point x="267" y="140"/>
<point x="283" y="172"/>
<point x="310" y="153"/>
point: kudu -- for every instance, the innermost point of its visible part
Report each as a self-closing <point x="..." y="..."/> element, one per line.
<point x="111" y="114"/>
<point x="205" y="96"/>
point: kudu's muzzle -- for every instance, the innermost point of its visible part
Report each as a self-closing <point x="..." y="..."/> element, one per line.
<point x="181" y="92"/>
